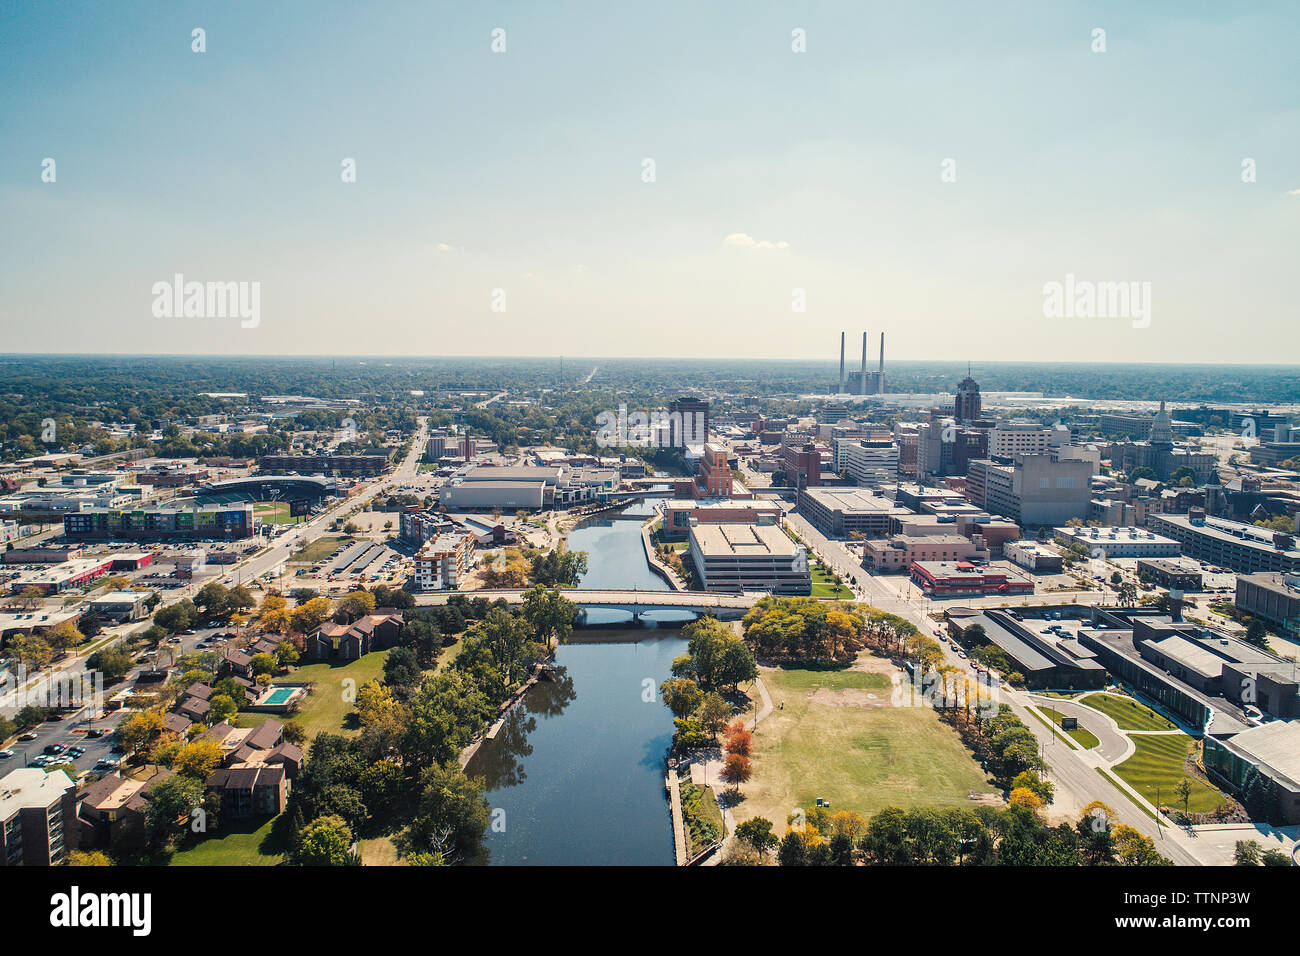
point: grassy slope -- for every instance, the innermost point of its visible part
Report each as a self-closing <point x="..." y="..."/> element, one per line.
<point x="1158" y="761"/>
<point x="1127" y="712"/>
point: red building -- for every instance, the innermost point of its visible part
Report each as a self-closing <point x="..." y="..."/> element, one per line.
<point x="964" y="579"/>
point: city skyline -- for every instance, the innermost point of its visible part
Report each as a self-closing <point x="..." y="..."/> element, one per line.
<point x="928" y="176"/>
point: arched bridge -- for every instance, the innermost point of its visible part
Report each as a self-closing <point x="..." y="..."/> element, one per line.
<point x="634" y="602"/>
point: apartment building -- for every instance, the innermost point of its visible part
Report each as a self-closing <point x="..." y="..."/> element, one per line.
<point x="38" y="817"/>
<point x="442" y="561"/>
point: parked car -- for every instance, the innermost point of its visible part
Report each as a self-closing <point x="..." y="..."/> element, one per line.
<point x="6" y="754"/>
<point x="27" y="736"/>
<point x="96" y="733"/>
<point x="55" y="748"/>
<point x="76" y="751"/>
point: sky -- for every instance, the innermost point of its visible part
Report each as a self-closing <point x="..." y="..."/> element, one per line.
<point x="922" y="169"/>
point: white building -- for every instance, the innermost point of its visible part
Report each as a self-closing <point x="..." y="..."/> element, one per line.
<point x="872" y="464"/>
<point x="1119" y="542"/>
<point x="441" y="562"/>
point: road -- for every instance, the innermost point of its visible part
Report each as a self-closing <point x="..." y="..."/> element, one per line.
<point x="290" y="540"/>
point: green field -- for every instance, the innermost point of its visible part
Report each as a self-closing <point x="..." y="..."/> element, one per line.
<point x="832" y="678"/>
<point x="824" y="586"/>
<point x="324" y="710"/>
<point x="1083" y="737"/>
<point x="1127" y="712"/>
<point x="1158" y="762"/>
<point x="242" y="843"/>
<point x="838" y="736"/>
<point x="273" y="512"/>
<point x="319" y="549"/>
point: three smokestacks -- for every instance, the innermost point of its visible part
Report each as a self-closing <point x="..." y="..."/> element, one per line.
<point x="878" y="386"/>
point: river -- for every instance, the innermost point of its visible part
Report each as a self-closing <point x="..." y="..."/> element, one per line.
<point x="578" y="767"/>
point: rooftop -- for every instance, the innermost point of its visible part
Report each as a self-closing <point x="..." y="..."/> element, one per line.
<point x="31" y="787"/>
<point x="743" y="541"/>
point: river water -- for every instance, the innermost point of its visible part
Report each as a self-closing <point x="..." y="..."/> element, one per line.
<point x="578" y="766"/>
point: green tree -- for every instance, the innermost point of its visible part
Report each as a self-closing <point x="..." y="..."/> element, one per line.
<point x="326" y="841"/>
<point x="756" y="833"/>
<point x="452" y="815"/>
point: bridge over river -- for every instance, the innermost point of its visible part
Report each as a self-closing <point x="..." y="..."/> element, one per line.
<point x="634" y="602"/>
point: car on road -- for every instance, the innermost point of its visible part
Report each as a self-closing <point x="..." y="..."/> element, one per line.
<point x="6" y="754"/>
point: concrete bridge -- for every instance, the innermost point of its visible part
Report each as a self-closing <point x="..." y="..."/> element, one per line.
<point x="634" y="602"/>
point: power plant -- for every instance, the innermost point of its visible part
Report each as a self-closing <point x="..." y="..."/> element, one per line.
<point x="867" y="383"/>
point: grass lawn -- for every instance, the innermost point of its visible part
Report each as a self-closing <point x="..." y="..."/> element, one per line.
<point x="1083" y="737"/>
<point x="324" y="709"/>
<point x="1158" y="762"/>
<point x="241" y="843"/>
<point x="319" y="549"/>
<point x="824" y="586"/>
<point x="1127" y="712"/>
<point x="380" y="851"/>
<point x="273" y="512"/>
<point x="839" y="737"/>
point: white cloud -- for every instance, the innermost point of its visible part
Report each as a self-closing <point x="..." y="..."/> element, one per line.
<point x="1293" y="192"/>
<point x="443" y="247"/>
<point x="749" y="242"/>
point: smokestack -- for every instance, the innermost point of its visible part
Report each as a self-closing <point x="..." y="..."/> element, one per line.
<point x="862" y="386"/>
<point x="841" y="391"/>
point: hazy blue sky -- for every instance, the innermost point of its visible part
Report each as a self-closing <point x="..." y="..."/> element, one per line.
<point x="522" y="171"/>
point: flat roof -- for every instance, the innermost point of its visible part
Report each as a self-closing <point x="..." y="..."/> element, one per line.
<point x="855" y="499"/>
<point x="743" y="541"/>
<point x="30" y="787"/>
<point x="1276" y="745"/>
<point x="1191" y="655"/>
<point x="1238" y="532"/>
<point x="1116" y="535"/>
